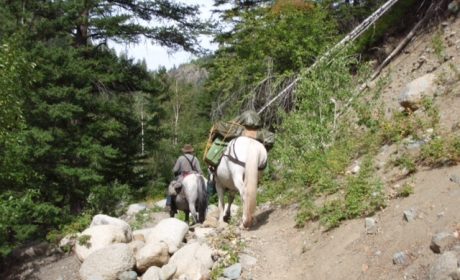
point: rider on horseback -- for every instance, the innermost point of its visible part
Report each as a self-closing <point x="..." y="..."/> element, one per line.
<point x="186" y="163"/>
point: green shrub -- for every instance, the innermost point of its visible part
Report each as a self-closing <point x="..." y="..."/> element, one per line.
<point x="438" y="45"/>
<point x="406" y="162"/>
<point x="24" y="217"/>
<point x="406" y="190"/>
<point x="78" y="224"/>
<point x="364" y="193"/>
<point x="110" y="200"/>
<point x="332" y="213"/>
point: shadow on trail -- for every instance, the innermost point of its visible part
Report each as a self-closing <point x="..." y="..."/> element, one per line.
<point x="262" y="218"/>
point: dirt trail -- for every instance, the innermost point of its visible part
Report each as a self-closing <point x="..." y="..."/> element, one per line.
<point x="348" y="252"/>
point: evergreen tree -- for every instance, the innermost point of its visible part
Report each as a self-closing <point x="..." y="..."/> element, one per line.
<point x="78" y="135"/>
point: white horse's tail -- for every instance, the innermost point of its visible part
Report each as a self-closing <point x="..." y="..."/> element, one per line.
<point x="251" y="174"/>
<point x="202" y="198"/>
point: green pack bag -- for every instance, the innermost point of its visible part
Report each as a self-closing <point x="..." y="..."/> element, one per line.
<point x="215" y="152"/>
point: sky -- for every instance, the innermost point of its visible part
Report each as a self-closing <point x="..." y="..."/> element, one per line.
<point x="157" y="56"/>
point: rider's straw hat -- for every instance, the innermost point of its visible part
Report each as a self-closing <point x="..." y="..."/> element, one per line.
<point x="187" y="148"/>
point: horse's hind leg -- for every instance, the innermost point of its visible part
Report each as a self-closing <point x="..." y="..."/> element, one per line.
<point x="193" y="211"/>
<point x="231" y="197"/>
<point x="221" y="202"/>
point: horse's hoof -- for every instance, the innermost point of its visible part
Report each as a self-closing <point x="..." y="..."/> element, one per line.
<point x="242" y="227"/>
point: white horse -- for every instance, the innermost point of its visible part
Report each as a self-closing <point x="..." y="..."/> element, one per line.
<point x="190" y="196"/>
<point x="239" y="171"/>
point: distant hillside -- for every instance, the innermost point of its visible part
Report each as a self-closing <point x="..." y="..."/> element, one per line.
<point x="189" y="74"/>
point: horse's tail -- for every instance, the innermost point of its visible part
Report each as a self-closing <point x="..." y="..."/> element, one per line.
<point x="251" y="173"/>
<point x="202" y="199"/>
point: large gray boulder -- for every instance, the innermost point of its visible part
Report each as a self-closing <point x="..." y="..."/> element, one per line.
<point x="98" y="237"/>
<point x="414" y="92"/>
<point x="107" y="263"/>
<point x="152" y="254"/>
<point x="444" y="266"/>
<point x="170" y="231"/>
<point x="442" y="242"/>
<point x="102" y="219"/>
<point x="193" y="261"/>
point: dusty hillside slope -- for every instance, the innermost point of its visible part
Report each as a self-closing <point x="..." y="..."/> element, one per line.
<point x="348" y="252"/>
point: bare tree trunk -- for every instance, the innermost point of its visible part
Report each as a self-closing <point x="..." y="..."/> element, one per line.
<point x="81" y="38"/>
<point x="360" y="29"/>
<point x="142" y="127"/>
<point x="176" y="109"/>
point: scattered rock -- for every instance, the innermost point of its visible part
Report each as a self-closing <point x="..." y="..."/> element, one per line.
<point x="68" y="241"/>
<point x="202" y="233"/>
<point x="128" y="275"/>
<point x="108" y="262"/>
<point x="136" y="245"/>
<point x="455" y="178"/>
<point x="247" y="260"/>
<point x="101" y="219"/>
<point x="233" y="271"/>
<point x="371" y="226"/>
<point x="152" y="254"/>
<point x="193" y="260"/>
<point x="167" y="271"/>
<point x="410" y="215"/>
<point x="135" y="208"/>
<point x="31" y="251"/>
<point x="415" y="91"/>
<point x="400" y="258"/>
<point x="355" y="169"/>
<point x="153" y="273"/>
<point x="170" y="231"/>
<point x="442" y="241"/>
<point x="444" y="266"/>
<point x="98" y="237"/>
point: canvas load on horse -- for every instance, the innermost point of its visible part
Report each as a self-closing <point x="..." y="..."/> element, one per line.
<point x="247" y="124"/>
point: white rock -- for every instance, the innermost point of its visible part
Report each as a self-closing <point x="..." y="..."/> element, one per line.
<point x="355" y="169"/>
<point x="100" y="237"/>
<point x="153" y="273"/>
<point x="193" y="261"/>
<point x="102" y="219"/>
<point x="416" y="90"/>
<point x="152" y="254"/>
<point x="161" y="204"/>
<point x="170" y="231"/>
<point x="136" y="245"/>
<point x="108" y="262"/>
<point x="68" y="241"/>
<point x="133" y="209"/>
<point x="167" y="271"/>
<point x="202" y="233"/>
<point x="444" y="266"/>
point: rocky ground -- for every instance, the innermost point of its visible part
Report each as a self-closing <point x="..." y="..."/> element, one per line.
<point x="393" y="244"/>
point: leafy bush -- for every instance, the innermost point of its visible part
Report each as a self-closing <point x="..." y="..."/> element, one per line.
<point x="24" y="217"/>
<point x="110" y="200"/>
<point x="364" y="193"/>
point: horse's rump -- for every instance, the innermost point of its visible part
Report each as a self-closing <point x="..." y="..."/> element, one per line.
<point x="239" y="170"/>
